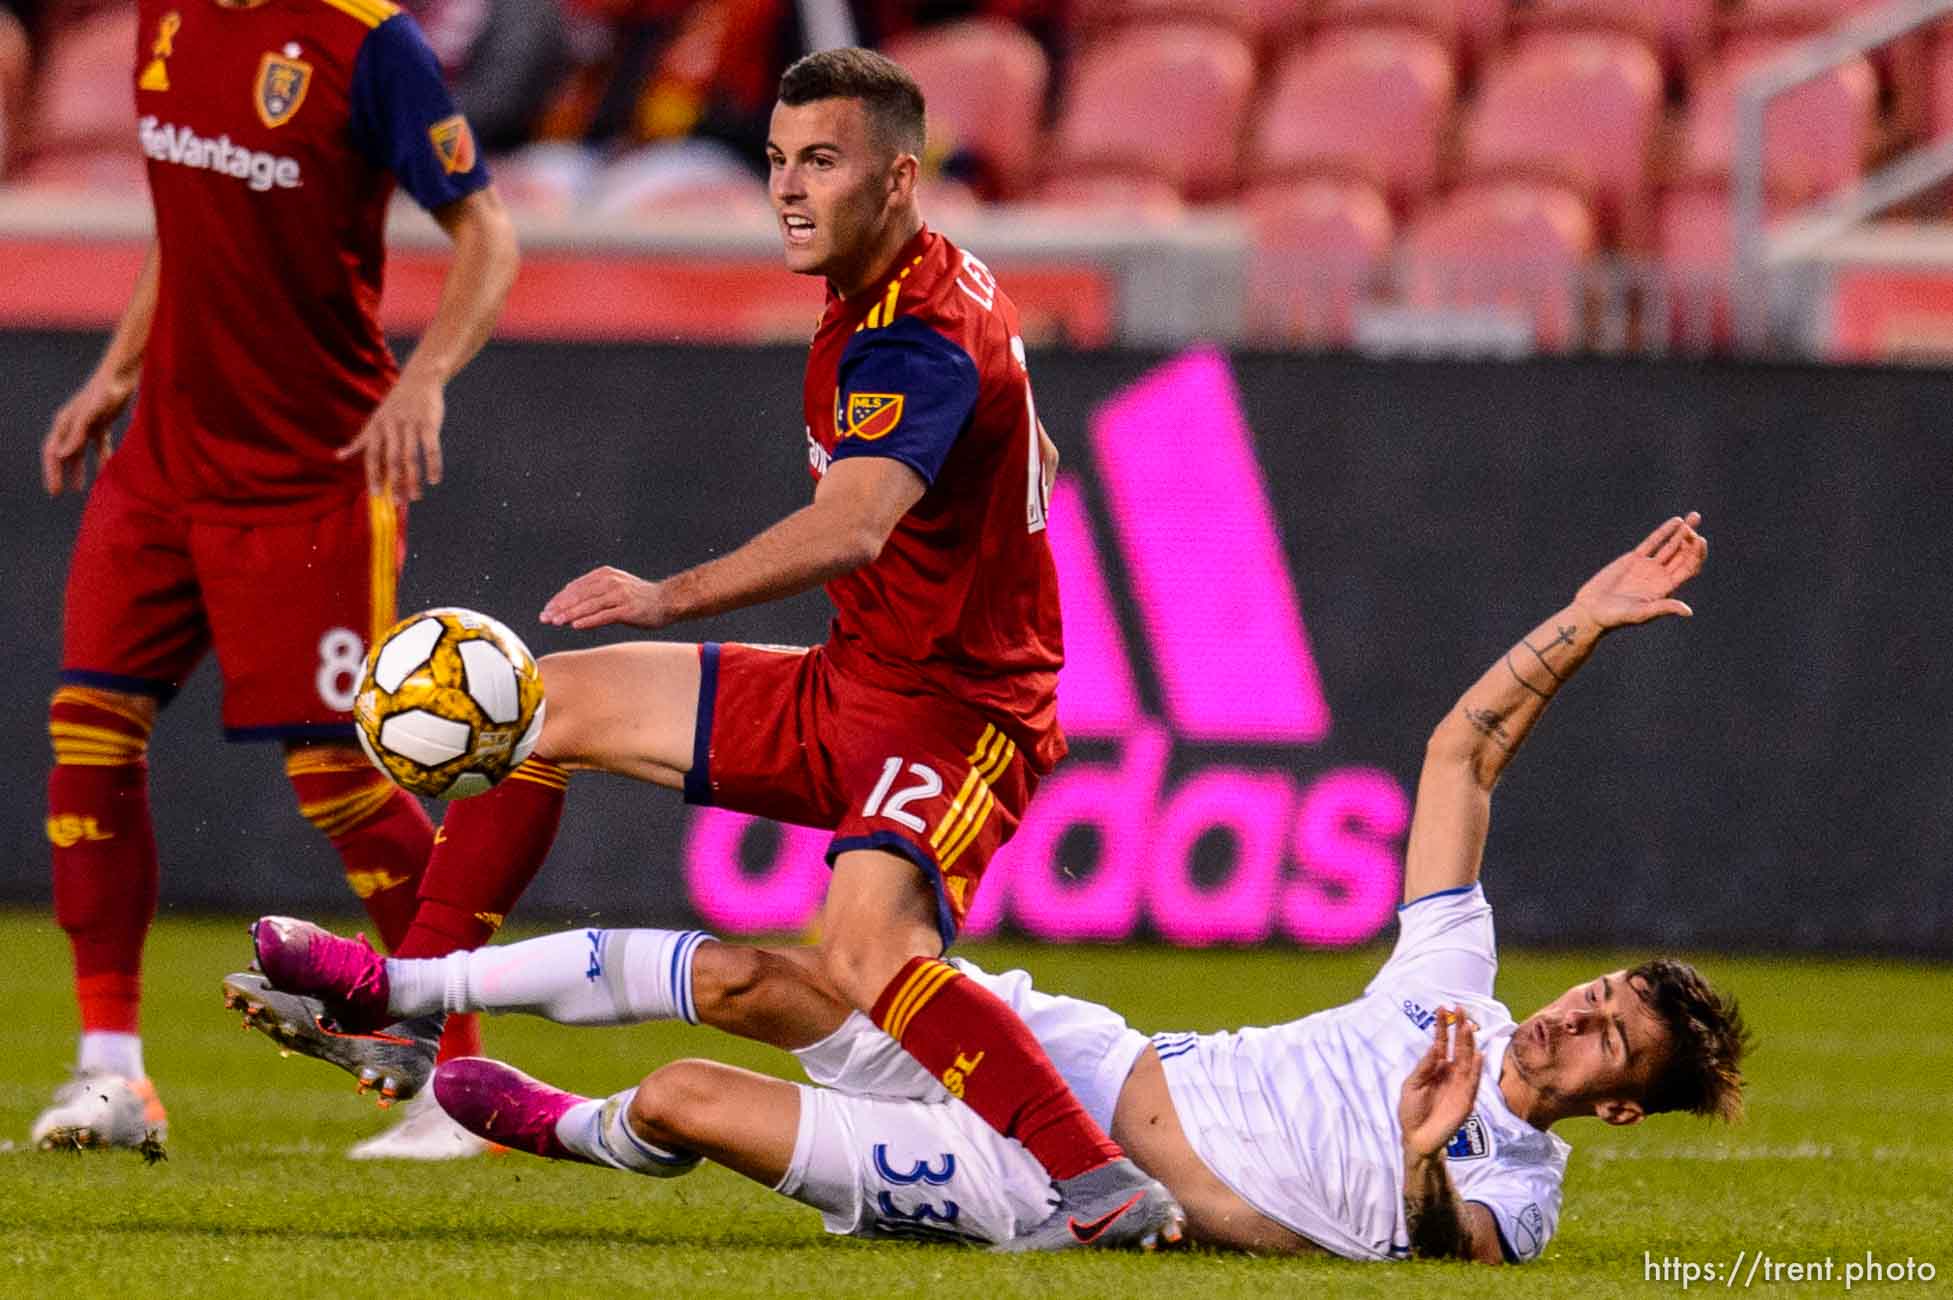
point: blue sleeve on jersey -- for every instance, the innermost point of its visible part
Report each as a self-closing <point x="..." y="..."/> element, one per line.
<point x="904" y="392"/>
<point x="404" y="120"/>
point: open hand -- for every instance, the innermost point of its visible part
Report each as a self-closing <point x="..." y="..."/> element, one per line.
<point x="605" y="596"/>
<point x="82" y="422"/>
<point x="1440" y="1092"/>
<point x="1638" y="586"/>
<point x="401" y="436"/>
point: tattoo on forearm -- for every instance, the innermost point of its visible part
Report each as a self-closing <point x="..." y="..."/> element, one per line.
<point x="1489" y="724"/>
<point x="1564" y="638"/>
<point x="1520" y="677"/>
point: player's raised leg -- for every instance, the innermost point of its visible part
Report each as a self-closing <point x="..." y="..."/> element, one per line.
<point x="578" y="977"/>
<point x="881" y="949"/>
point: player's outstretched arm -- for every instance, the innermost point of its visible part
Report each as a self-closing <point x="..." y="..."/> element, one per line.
<point x="1470" y="749"/>
<point x="402" y="438"/>
<point x="84" y="419"/>
<point x="856" y="507"/>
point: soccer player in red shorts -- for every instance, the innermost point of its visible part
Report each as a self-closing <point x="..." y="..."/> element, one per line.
<point x="920" y="729"/>
<point x="237" y="514"/>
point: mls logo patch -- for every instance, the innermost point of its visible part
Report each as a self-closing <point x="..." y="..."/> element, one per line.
<point x="1530" y="1228"/>
<point x="1469" y="1142"/>
<point x="871" y="415"/>
<point x="282" y="83"/>
<point x="454" y="144"/>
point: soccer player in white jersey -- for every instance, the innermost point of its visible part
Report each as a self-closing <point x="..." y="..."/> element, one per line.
<point x="1413" y="1121"/>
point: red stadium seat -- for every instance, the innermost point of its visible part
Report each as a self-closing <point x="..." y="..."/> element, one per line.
<point x="687" y="179"/>
<point x="1680" y="31"/>
<point x="1940" y="113"/>
<point x="1697" y="265"/>
<point x="1169" y="100"/>
<point x="1360" y="102"/>
<point x="1483" y="28"/>
<point x="1578" y="109"/>
<point x="1693" y="238"/>
<point x="985" y="80"/>
<point x="1135" y="195"/>
<point x="1636" y="18"/>
<point x="1444" y="19"/>
<point x="1814" y="137"/>
<point x="1320" y="248"/>
<point x="548" y="178"/>
<point x="1790" y="17"/>
<point x="1254" y="20"/>
<point x="86" y="93"/>
<point x="1515" y="245"/>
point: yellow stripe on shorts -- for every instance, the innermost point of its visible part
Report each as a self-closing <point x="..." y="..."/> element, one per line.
<point x="384" y="541"/>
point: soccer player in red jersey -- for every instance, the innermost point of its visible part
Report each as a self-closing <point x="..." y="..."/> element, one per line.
<point x="920" y="729"/>
<point x="254" y="505"/>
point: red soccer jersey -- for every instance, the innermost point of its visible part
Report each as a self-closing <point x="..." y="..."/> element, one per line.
<point x="927" y="367"/>
<point x="274" y="135"/>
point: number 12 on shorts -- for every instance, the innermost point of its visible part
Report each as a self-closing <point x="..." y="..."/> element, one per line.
<point x="881" y="803"/>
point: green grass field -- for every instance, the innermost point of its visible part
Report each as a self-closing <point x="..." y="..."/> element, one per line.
<point x="1846" y="1151"/>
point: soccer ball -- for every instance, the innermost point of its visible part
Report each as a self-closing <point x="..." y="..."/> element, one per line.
<point x="449" y="703"/>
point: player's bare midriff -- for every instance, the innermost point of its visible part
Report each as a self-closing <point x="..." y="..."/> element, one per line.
<point x="1146" y="1125"/>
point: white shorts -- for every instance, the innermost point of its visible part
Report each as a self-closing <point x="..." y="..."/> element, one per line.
<point x="1092" y="1046"/>
<point x="929" y="1171"/>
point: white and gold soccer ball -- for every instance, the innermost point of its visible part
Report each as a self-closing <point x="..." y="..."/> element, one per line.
<point x="449" y="703"/>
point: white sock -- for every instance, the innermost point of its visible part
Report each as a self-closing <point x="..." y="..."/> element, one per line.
<point x="598" y="1130"/>
<point x="108" y="1053"/>
<point x="579" y="977"/>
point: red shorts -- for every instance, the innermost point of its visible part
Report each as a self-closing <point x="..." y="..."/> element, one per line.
<point x="782" y="735"/>
<point x="289" y="607"/>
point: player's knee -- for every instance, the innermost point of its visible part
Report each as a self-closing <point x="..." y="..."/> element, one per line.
<point x="861" y="968"/>
<point x="567" y="687"/>
<point x="673" y="1102"/>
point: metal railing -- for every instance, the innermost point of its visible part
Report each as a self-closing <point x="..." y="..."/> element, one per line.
<point x="1761" y="247"/>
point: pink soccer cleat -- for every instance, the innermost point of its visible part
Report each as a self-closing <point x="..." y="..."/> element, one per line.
<point x="345" y="975"/>
<point x="505" y="1106"/>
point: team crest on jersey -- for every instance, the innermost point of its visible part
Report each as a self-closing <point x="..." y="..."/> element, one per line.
<point x="282" y="83"/>
<point x="871" y="415"/>
<point x="454" y="144"/>
<point x="1469" y="1142"/>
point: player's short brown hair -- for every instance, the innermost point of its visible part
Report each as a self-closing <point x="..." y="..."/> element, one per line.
<point x="1707" y="1040"/>
<point x="885" y="89"/>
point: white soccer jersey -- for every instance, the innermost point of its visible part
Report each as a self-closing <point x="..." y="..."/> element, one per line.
<point x="1301" y="1119"/>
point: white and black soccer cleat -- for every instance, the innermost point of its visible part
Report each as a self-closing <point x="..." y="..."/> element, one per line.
<point x="396" y="1060"/>
<point x="95" y="1112"/>
<point x="423" y="1132"/>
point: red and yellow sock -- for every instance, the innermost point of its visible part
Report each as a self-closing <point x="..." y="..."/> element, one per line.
<point x="105" y="870"/>
<point x="385" y="840"/>
<point x="968" y="1038"/>
<point x="381" y="833"/>
<point x="488" y="850"/>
